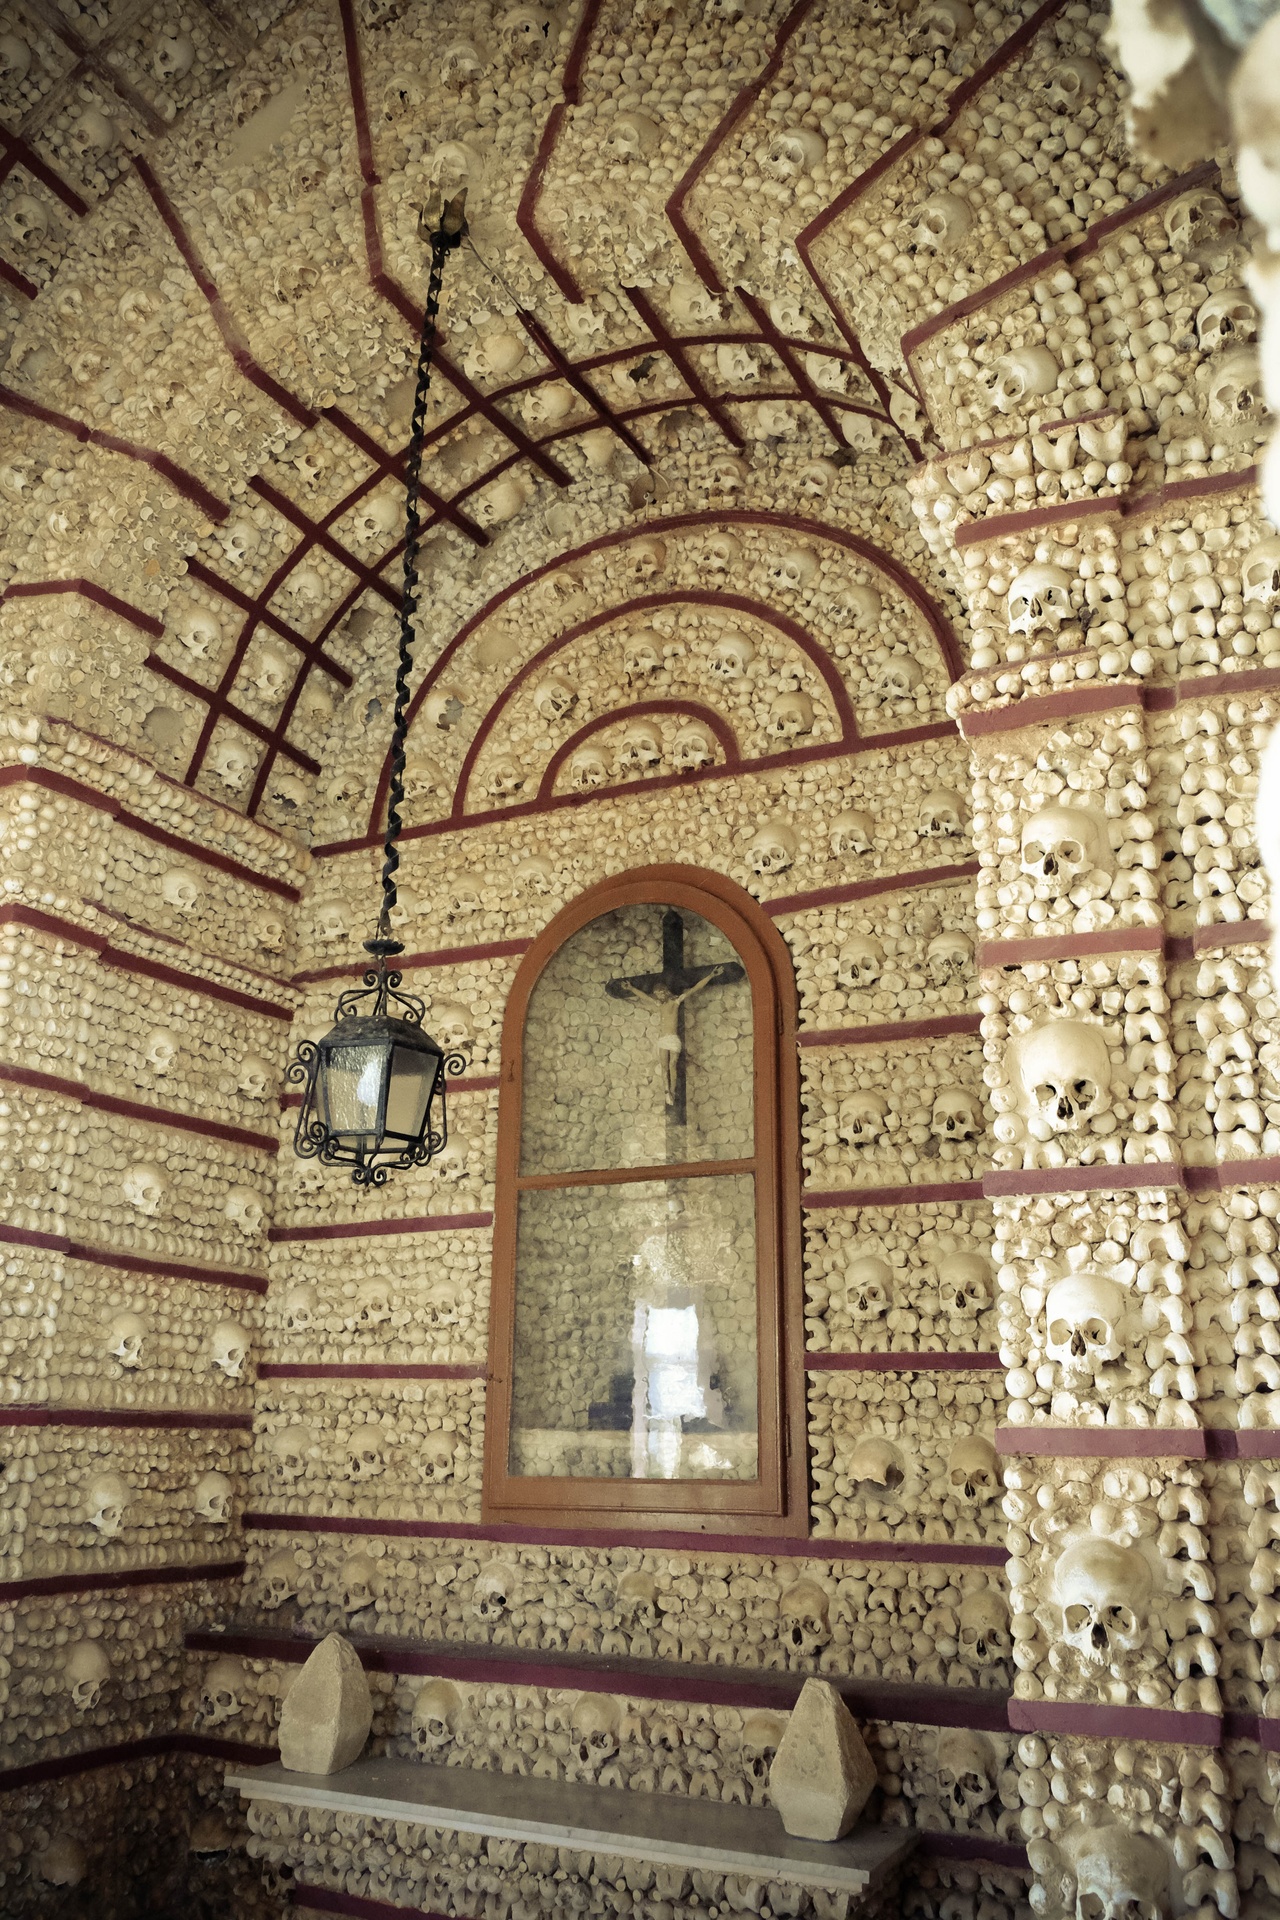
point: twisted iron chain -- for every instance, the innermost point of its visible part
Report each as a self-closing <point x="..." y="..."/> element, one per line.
<point x="441" y="244"/>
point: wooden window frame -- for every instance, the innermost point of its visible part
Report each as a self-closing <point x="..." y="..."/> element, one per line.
<point x="777" y="1501"/>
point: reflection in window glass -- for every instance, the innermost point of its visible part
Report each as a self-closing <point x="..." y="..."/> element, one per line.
<point x="635" y="1332"/>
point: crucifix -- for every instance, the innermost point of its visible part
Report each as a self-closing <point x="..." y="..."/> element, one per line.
<point x="668" y="991"/>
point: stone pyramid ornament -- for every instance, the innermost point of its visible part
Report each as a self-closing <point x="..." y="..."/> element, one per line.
<point x="822" y="1774"/>
<point x="327" y="1711"/>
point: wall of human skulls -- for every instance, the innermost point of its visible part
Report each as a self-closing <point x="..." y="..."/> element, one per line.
<point x="789" y="482"/>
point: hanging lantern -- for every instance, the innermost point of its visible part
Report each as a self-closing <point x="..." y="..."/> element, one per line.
<point x="373" y="1096"/>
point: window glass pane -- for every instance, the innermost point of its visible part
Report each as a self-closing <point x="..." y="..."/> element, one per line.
<point x="351" y="1089"/>
<point x="635" y="1332"/>
<point x="637" y="1048"/>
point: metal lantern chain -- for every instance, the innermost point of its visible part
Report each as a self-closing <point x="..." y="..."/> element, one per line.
<point x="373" y="1095"/>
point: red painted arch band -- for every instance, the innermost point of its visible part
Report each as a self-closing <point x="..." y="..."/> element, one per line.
<point x="131" y="1262"/>
<point x="44" y="1585"/>
<point x="764" y="1546"/>
<point x="135" y="1109"/>
<point x="1088" y="1722"/>
<point x="122" y="1417"/>
<point x="935" y="1029"/>
<point x="370" y="1370"/>
<point x="372" y="1229"/>
<point x="902" y="1363"/>
<point x="906" y="1196"/>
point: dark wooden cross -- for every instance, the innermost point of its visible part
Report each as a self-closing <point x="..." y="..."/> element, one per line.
<point x="668" y="991"/>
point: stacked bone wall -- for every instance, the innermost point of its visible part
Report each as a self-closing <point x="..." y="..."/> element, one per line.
<point x="761" y="538"/>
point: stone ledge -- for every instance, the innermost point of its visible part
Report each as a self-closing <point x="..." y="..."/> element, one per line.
<point x="655" y="1828"/>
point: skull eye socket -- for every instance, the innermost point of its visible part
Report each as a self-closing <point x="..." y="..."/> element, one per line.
<point x="1076" y="1619"/>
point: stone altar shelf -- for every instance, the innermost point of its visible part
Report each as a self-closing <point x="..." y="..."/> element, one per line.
<point x="656" y="1828"/>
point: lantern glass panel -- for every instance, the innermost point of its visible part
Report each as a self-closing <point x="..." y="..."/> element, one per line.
<point x="349" y="1090"/>
<point x="413" y="1079"/>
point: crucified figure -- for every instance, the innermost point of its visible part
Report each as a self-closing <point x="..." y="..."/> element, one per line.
<point x="668" y="991"/>
<point x="669" y="1002"/>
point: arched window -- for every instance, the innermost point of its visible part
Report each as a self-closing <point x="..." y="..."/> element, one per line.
<point x="647" y="1319"/>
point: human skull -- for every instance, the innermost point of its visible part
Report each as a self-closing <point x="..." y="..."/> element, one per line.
<point x="27" y="220"/>
<point x="1061" y="846"/>
<point x="173" y="56"/>
<point x="229" y="1348"/>
<point x="956" y="1115"/>
<point x="1260" y="574"/>
<point x="862" y="1119"/>
<point x="1227" y="319"/>
<point x="15" y="57"/>
<point x="861" y="606"/>
<point x="859" y="962"/>
<point x="212" y="1498"/>
<point x="437" y="1715"/>
<point x="898" y="677"/>
<point x="790" y="715"/>
<point x="731" y="656"/>
<point x="735" y="363"/>
<point x="941" y="815"/>
<point x="852" y="832"/>
<point x="869" y="1288"/>
<point x="640" y="749"/>
<point x="125" y="1335"/>
<point x="443" y="707"/>
<point x="817" y="477"/>
<point x="876" y="1464"/>
<point x="692" y="305"/>
<point x="1039" y="600"/>
<point x="804" y="1616"/>
<point x="942" y="24"/>
<point x="761" y="1737"/>
<point x="1233" y="384"/>
<point x="244" y="1210"/>
<point x="232" y="764"/>
<point x="359" y="1583"/>
<point x="647" y="556"/>
<point x="642" y="654"/>
<point x="492" y="1594"/>
<point x="436" y="1458"/>
<point x="983" y="1627"/>
<point x="372" y="1307"/>
<point x="594" y="1718"/>
<point x="1086" y="1315"/>
<point x="693" y="747"/>
<point x="222" y="1695"/>
<point x="948" y="957"/>
<point x="973" y="1471"/>
<point x="1105" y="1592"/>
<point x="1199" y="225"/>
<point x="724" y="551"/>
<point x="269" y="932"/>
<point x="632" y="136"/>
<point x="773" y="848"/>
<point x="1070" y="82"/>
<point x="85" y="1671"/>
<point x="966" y="1773"/>
<point x="942" y="222"/>
<point x="439" y="1306"/>
<point x="365" y="1451"/>
<point x="1065" y="1072"/>
<point x="794" y="570"/>
<point x="792" y="152"/>
<point x="300" y="1304"/>
<point x="181" y="889"/>
<point x="160" y="1051"/>
<point x="106" y="1502"/>
<point x="197" y="630"/>
<point x="637" y="1599"/>
<point x="1120" y="1876"/>
<point x="450" y="1026"/>
<point x="1026" y="373"/>
<point x="144" y="1188"/>
<point x="281" y="1578"/>
<point x="964" y="1283"/>
<point x="587" y="769"/>
<point x="255" y="1077"/>
<point x="289" y="1449"/>
<point x="505" y="777"/>
<point x="238" y="540"/>
<point x="378" y="516"/>
<point x="61" y="1862"/>
<point x="536" y="874"/>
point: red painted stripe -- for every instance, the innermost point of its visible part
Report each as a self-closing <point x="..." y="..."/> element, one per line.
<point x="121" y="1417"/>
<point x="305" y="1370"/>
<point x="91" y="1760"/>
<point x="105" y="1582"/>
<point x="527" y="208"/>
<point x="935" y="1029"/>
<point x="183" y="482"/>
<point x="136" y="1109"/>
<point x="1070" y="946"/>
<point x="479" y="1083"/>
<point x="1087" y="697"/>
<point x="1142" y="1443"/>
<point x="1154" y="1173"/>
<point x="87" y="590"/>
<point x="900" y="1363"/>
<point x="435" y="957"/>
<point x="1124" y="506"/>
<point x="156" y="663"/>
<point x="779" y="1546"/>
<point x="1090" y="1722"/>
<point x="22" y="153"/>
<point x="18" y="281"/>
<point x="131" y="1262"/>
<point x="868" y="889"/>
<point x="690" y="709"/>
<point x="311" y="650"/>
<point x="327" y="1900"/>
<point x="372" y="1229"/>
<point x="904" y="1196"/>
